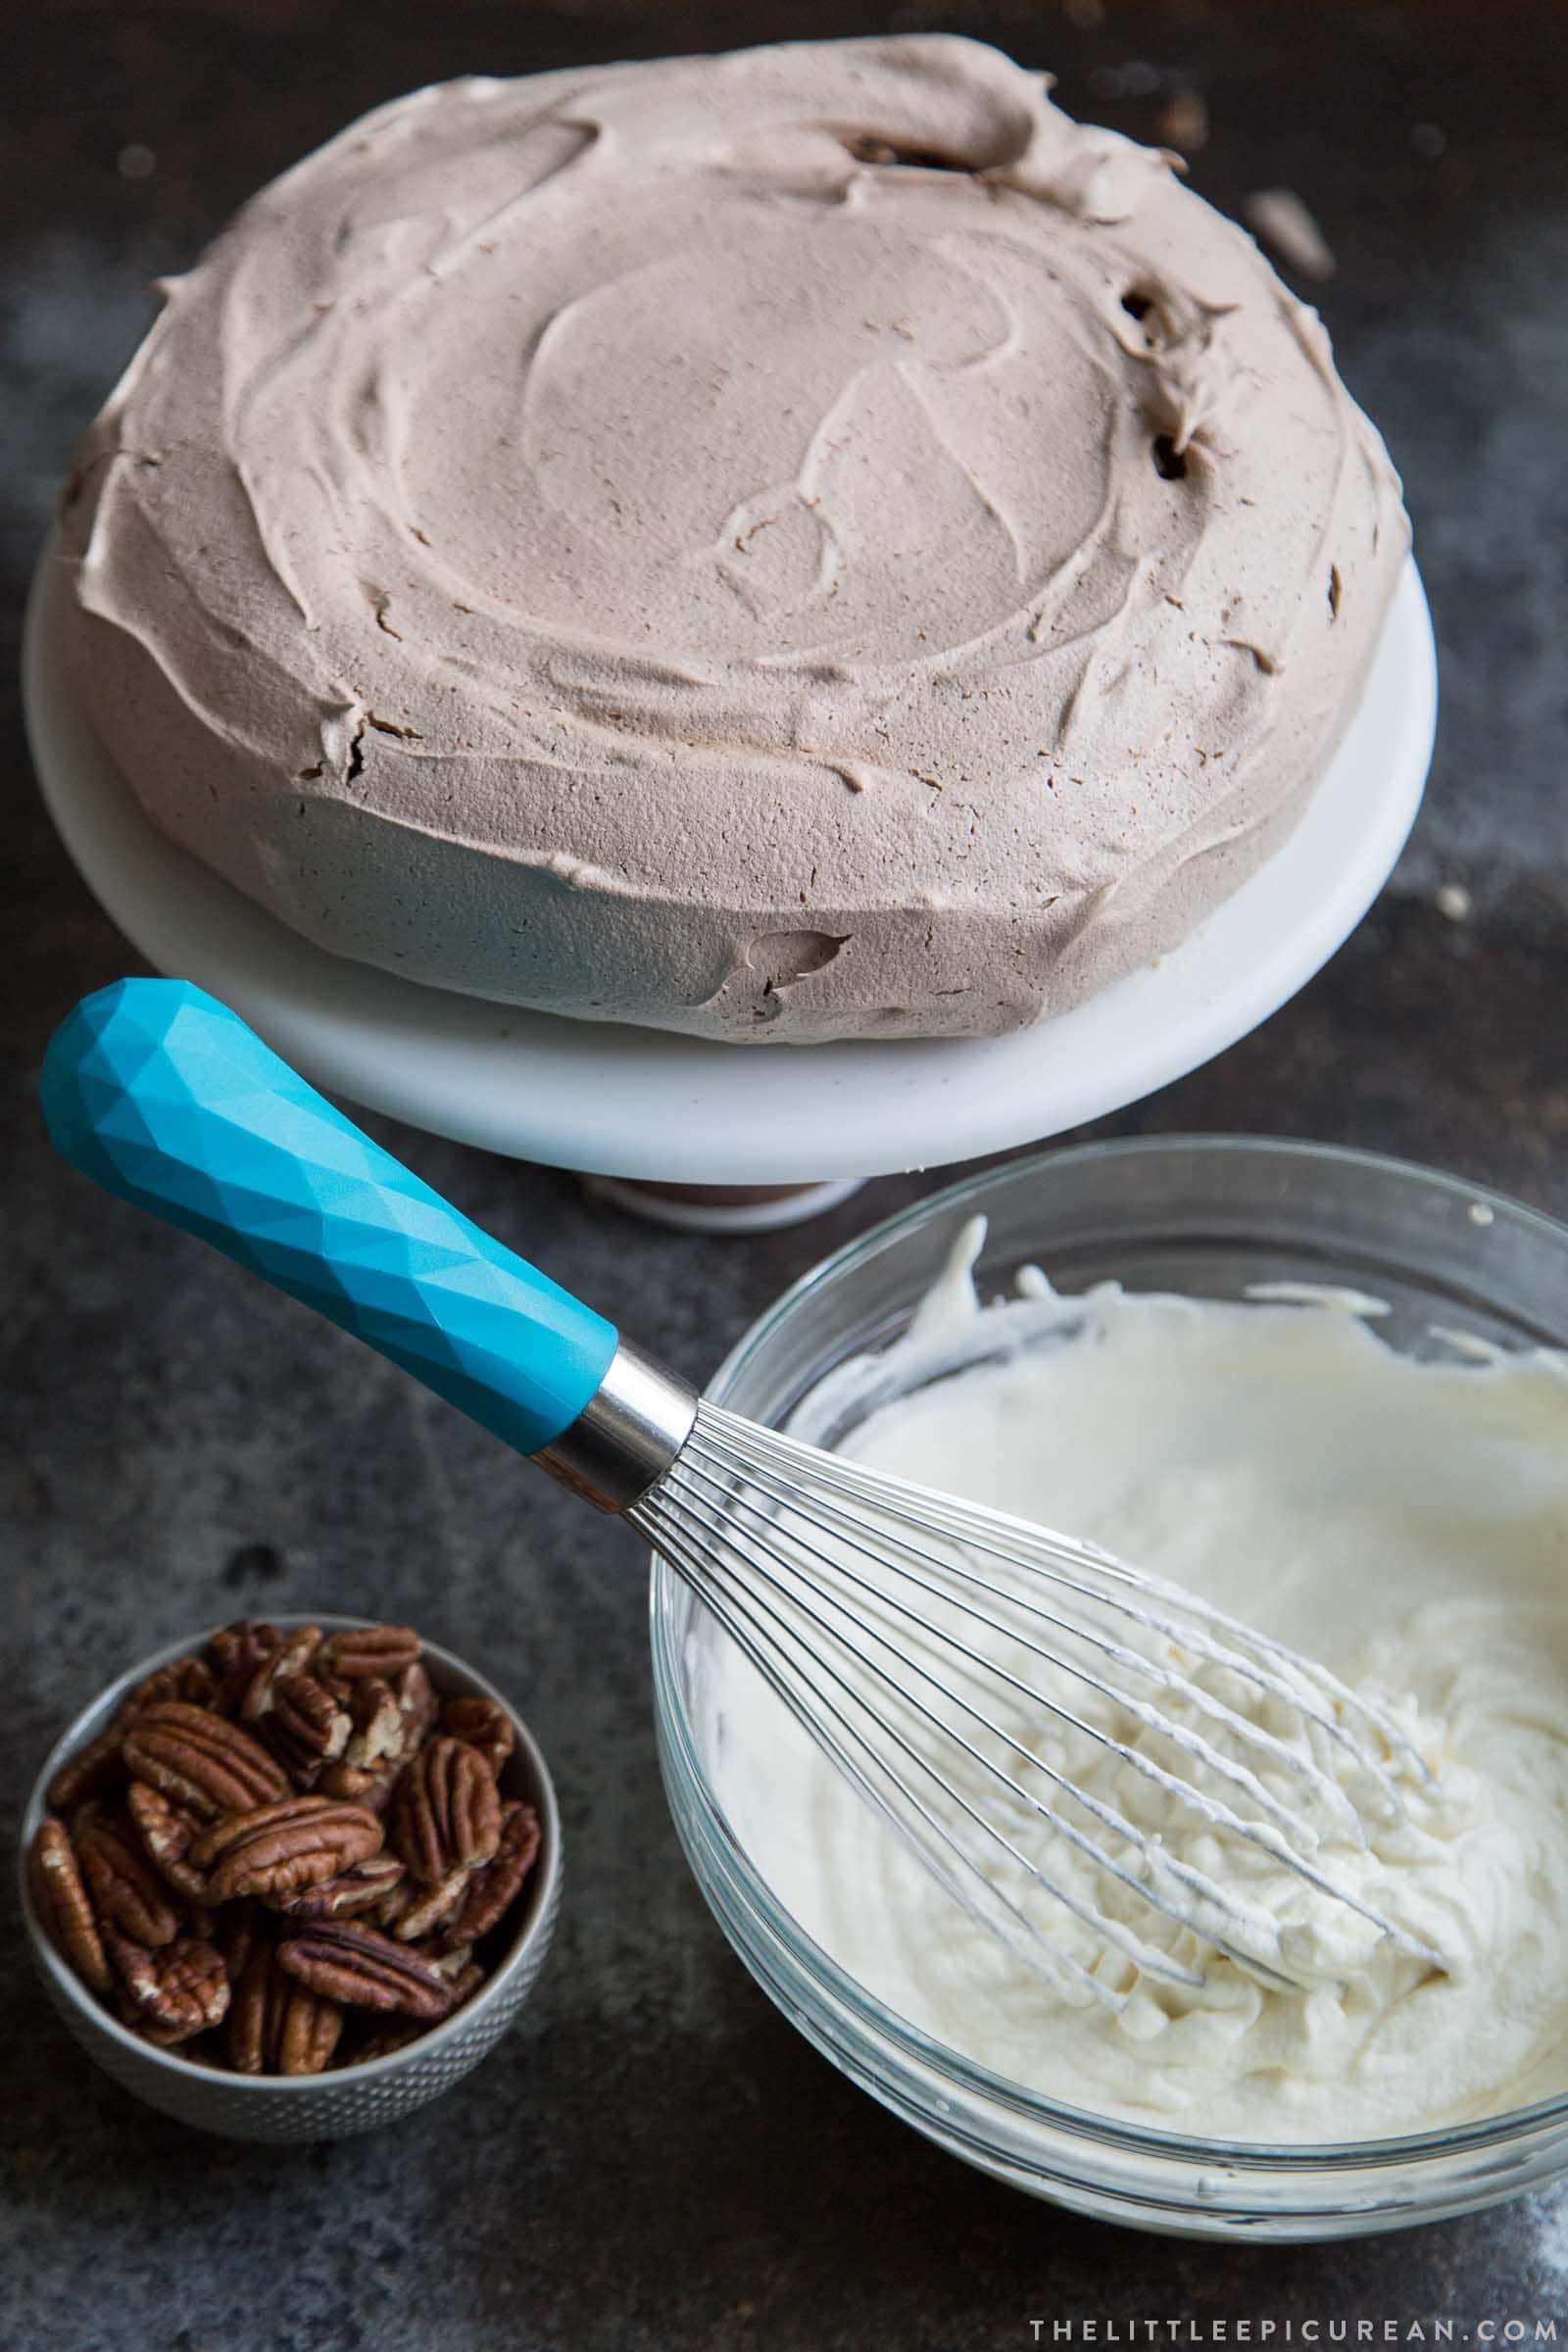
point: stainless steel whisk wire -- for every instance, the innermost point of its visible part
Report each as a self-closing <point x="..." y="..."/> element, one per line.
<point x="758" y="1526"/>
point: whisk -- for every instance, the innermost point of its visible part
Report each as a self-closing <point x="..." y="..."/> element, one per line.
<point x="1031" y="1714"/>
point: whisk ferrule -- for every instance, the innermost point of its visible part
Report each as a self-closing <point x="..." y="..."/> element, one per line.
<point x="628" y="1435"/>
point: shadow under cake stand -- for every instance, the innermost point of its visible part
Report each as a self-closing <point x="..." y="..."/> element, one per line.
<point x="734" y="1137"/>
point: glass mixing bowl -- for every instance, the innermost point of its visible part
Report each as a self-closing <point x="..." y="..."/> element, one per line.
<point x="1210" y="1217"/>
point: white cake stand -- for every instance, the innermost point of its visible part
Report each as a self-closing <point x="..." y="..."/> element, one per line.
<point x="639" y="1104"/>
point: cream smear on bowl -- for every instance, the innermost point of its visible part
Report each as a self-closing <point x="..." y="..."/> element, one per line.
<point x="1404" y="1522"/>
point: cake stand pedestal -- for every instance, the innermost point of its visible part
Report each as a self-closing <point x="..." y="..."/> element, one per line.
<point x="641" y="1106"/>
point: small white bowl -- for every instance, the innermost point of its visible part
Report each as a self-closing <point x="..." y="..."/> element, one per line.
<point x="349" y="2098"/>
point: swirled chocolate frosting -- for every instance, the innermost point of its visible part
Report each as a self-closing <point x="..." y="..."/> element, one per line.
<point x="805" y="544"/>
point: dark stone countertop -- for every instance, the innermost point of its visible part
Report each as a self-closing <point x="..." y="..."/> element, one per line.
<point x="654" y="2158"/>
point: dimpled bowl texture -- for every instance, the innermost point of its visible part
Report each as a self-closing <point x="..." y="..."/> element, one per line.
<point x="353" y="2098"/>
<point x="1208" y="1218"/>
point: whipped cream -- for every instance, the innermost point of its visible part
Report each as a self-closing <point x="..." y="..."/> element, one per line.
<point x="800" y="544"/>
<point x="1403" y="1523"/>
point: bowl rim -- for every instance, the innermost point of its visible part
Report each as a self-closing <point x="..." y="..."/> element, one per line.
<point x="968" y="1196"/>
<point x="538" y="1906"/>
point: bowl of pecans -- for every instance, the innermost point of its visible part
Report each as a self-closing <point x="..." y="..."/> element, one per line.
<point x="292" y="1880"/>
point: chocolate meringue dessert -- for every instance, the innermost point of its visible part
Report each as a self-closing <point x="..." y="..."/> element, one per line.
<point x="799" y="545"/>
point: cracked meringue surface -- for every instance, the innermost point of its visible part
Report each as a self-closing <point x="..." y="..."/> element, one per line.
<point x="803" y="544"/>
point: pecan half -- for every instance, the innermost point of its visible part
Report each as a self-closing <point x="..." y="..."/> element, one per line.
<point x="416" y="1695"/>
<point x="358" y="1787"/>
<point x="235" y="1936"/>
<point x="126" y="1891"/>
<point x="234" y="1653"/>
<point x="481" y="1723"/>
<point x="425" y="1908"/>
<point x="166" y="1833"/>
<point x="386" y="2035"/>
<point x="96" y="1770"/>
<point x="461" y="1970"/>
<point x="380" y="1729"/>
<point x="295" y="1843"/>
<point x="201" y="1760"/>
<point x="179" y="1990"/>
<point x="346" y="1962"/>
<point x="63" y="1906"/>
<point x="362" y="1650"/>
<point x="349" y="1895"/>
<point x="467" y="1981"/>
<point x="162" y="2037"/>
<point x="189" y="1677"/>
<point x="277" y="2026"/>
<point x="446" y="1812"/>
<point x="140" y="2024"/>
<point x="309" y="2033"/>
<point x="390" y="1909"/>
<point x="450" y="1964"/>
<point x="305" y="1728"/>
<point x="493" y="1891"/>
<point x="294" y="1654"/>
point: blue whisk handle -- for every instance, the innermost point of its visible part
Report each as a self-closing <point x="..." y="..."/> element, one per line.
<point x="165" y="1098"/>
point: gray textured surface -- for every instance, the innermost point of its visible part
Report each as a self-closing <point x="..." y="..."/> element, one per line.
<point x="654" y="2158"/>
